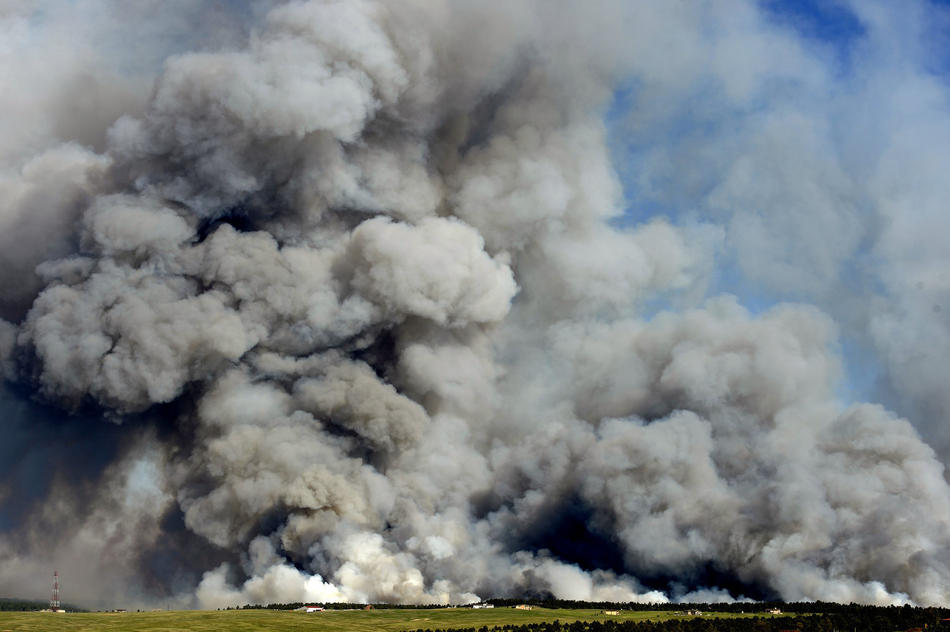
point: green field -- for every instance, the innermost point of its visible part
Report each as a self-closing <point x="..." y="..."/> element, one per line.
<point x="279" y="621"/>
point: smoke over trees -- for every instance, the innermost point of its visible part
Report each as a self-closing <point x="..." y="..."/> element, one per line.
<point x="368" y="301"/>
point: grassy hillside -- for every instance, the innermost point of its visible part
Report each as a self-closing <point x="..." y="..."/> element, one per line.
<point x="281" y="621"/>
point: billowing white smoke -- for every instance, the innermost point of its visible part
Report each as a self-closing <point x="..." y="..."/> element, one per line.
<point x="371" y="256"/>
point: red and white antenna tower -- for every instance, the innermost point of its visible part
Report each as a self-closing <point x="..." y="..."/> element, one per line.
<point x="54" y="601"/>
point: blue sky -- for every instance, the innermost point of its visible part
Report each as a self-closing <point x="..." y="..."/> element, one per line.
<point x="854" y="51"/>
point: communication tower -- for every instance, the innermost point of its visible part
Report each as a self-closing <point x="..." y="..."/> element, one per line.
<point x="54" y="601"/>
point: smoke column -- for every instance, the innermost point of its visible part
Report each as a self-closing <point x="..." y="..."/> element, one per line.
<point x="429" y="302"/>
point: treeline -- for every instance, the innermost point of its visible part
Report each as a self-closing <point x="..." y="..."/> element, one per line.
<point x="21" y="604"/>
<point x="809" y="607"/>
<point x="844" y="618"/>
<point x="26" y="605"/>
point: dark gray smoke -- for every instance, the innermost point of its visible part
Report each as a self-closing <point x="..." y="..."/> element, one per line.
<point x="320" y="301"/>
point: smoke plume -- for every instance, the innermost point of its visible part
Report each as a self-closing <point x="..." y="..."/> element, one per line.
<point x="367" y="301"/>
